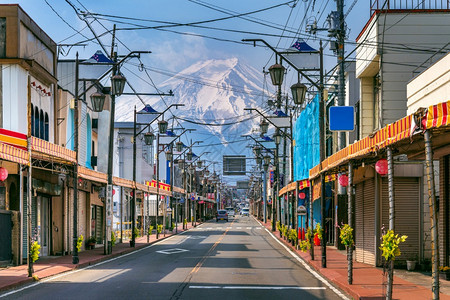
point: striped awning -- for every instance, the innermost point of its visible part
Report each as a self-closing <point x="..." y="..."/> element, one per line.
<point x="162" y="186"/>
<point x="92" y="175"/>
<point x="11" y="153"/>
<point x="437" y="116"/>
<point x="52" y="151"/>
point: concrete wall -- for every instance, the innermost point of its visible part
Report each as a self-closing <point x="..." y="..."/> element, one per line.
<point x="395" y="45"/>
<point x="430" y="87"/>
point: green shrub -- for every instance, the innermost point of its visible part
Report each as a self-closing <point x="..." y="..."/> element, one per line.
<point x="34" y="251"/>
<point x="136" y="232"/>
<point x="159" y="229"/>
<point x="150" y="229"/>
<point x="346" y="235"/>
<point x="113" y="238"/>
<point x="390" y="245"/>
<point x="79" y="242"/>
<point x="318" y="231"/>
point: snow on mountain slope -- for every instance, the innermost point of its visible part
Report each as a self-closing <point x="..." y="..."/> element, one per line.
<point x="213" y="92"/>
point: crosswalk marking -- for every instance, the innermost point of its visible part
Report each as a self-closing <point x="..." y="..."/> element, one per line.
<point x="249" y="228"/>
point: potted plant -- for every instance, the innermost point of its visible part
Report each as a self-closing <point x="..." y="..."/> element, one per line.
<point x="445" y="272"/>
<point x="90" y="242"/>
<point x="411" y="262"/>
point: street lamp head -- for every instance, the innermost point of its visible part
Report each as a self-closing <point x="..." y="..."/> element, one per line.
<point x="206" y="172"/>
<point x="276" y="74"/>
<point x="118" y="84"/>
<point x="264" y="126"/>
<point x="258" y="160"/>
<point x="257" y="150"/>
<point x="97" y="100"/>
<point x="181" y="164"/>
<point x="179" y="146"/>
<point x="298" y="93"/>
<point x="149" y="137"/>
<point x="266" y="160"/>
<point x="169" y="155"/>
<point x="162" y="126"/>
<point x="199" y="163"/>
<point x="277" y="136"/>
<point x="189" y="155"/>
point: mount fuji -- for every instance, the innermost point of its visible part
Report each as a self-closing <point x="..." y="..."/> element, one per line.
<point x="214" y="93"/>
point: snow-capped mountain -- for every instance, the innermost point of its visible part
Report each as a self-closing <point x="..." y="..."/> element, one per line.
<point x="214" y="94"/>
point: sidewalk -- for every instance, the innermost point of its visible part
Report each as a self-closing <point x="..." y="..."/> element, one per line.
<point x="368" y="280"/>
<point x="49" y="266"/>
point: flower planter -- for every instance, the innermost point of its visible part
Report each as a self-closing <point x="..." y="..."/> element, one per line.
<point x="445" y="275"/>
<point x="411" y="265"/>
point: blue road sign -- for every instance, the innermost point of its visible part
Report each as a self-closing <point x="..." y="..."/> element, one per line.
<point x="342" y="118"/>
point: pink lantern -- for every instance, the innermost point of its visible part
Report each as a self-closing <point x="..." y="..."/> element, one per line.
<point x="3" y="174"/>
<point x="381" y="167"/>
<point x="302" y="195"/>
<point x="343" y="180"/>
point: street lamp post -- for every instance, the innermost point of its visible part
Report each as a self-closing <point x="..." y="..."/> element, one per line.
<point x="301" y="92"/>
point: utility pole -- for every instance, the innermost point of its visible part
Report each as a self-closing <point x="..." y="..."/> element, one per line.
<point x="341" y="62"/>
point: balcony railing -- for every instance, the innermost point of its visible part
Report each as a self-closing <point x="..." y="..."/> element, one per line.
<point x="376" y="5"/>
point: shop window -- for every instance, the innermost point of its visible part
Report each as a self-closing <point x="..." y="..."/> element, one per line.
<point x="32" y="119"/>
<point x="46" y="128"/>
<point x="36" y="122"/>
<point x="41" y="125"/>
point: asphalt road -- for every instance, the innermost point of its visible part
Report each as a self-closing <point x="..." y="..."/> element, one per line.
<point x="238" y="259"/>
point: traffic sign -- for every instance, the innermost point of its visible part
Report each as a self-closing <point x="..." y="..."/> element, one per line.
<point x="342" y="118"/>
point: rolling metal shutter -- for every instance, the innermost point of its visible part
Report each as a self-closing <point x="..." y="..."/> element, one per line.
<point x="406" y="204"/>
<point x="365" y="222"/>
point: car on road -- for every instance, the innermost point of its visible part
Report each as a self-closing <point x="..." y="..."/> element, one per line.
<point x="230" y="211"/>
<point x="245" y="212"/>
<point x="221" y="215"/>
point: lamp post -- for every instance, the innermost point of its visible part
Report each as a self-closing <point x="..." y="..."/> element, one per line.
<point x="300" y="91"/>
<point x="149" y="138"/>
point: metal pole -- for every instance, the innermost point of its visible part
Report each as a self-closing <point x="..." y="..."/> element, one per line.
<point x="75" y="258"/>
<point x="157" y="185"/>
<point x="311" y="219"/>
<point x="264" y="187"/>
<point x="391" y="218"/>
<point x="108" y="204"/>
<point x="350" y="221"/>
<point x="433" y="215"/>
<point x="133" y="199"/>
<point x="341" y="63"/>
<point x="322" y="158"/>
<point x="29" y="186"/>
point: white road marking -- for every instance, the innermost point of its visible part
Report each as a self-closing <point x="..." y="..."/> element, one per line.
<point x="218" y="227"/>
<point x="257" y="287"/>
<point x="258" y="228"/>
<point x="88" y="267"/>
<point x="249" y="228"/>
<point x="209" y="228"/>
<point x="172" y="251"/>
<point x="307" y="267"/>
<point x="229" y="227"/>
<point x="238" y="227"/>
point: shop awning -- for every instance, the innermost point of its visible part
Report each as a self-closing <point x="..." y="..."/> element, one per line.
<point x="401" y="133"/>
<point x="11" y="153"/>
<point x="92" y="175"/>
<point x="47" y="151"/>
<point x="303" y="184"/>
<point x="123" y="182"/>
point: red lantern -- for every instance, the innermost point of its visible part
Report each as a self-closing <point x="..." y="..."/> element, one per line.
<point x="113" y="192"/>
<point x="3" y="174"/>
<point x="343" y="180"/>
<point x="381" y="167"/>
<point x="302" y="195"/>
<point x="131" y="194"/>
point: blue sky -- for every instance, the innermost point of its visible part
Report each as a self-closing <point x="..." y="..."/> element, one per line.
<point x="174" y="51"/>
